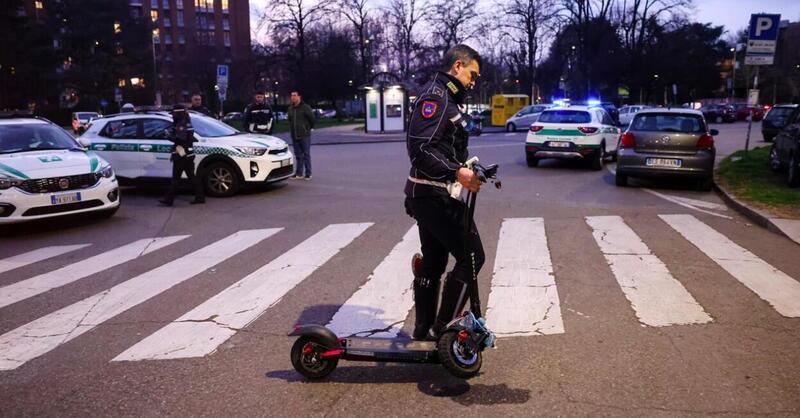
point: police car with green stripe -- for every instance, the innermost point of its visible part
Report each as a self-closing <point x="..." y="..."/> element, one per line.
<point x="584" y="133"/>
<point x="44" y="172"/>
<point x="137" y="145"/>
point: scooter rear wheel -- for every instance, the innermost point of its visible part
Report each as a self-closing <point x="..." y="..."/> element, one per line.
<point x="456" y="362"/>
<point x="307" y="360"/>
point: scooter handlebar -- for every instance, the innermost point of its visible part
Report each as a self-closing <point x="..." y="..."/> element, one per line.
<point x="487" y="173"/>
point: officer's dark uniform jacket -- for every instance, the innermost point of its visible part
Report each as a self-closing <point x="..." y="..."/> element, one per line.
<point x="437" y="138"/>
<point x="182" y="134"/>
<point x="258" y="117"/>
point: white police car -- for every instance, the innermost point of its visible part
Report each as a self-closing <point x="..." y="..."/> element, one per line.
<point x="45" y="173"/>
<point x="574" y="132"/>
<point x="226" y="159"/>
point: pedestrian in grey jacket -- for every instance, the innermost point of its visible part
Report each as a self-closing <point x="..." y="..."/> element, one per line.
<point x="301" y="122"/>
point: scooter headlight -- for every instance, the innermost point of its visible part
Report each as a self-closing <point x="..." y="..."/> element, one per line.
<point x="254" y="151"/>
<point x="7" y="183"/>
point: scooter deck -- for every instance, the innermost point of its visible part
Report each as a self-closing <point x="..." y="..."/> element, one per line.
<point x="385" y="349"/>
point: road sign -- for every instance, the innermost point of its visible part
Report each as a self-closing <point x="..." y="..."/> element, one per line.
<point x="222" y="75"/>
<point x="752" y="97"/>
<point x="103" y="103"/>
<point x="118" y="95"/>
<point x="223" y="92"/>
<point x="762" y="39"/>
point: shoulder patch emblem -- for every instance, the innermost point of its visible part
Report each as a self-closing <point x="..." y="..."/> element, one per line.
<point x="429" y="109"/>
<point x="439" y="92"/>
<point x="452" y="87"/>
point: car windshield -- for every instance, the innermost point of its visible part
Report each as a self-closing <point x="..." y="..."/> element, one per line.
<point x="668" y="122"/>
<point x="210" y="127"/>
<point x="565" y="116"/>
<point x="34" y="137"/>
<point x="779" y="113"/>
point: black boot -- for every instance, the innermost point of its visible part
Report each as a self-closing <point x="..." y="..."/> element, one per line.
<point x="454" y="296"/>
<point x="426" y="297"/>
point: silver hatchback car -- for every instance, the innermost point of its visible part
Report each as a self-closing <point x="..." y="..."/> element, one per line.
<point x="665" y="143"/>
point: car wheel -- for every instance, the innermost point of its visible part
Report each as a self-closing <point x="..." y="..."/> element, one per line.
<point x="511" y="127"/>
<point x="531" y="160"/>
<point x="621" y="180"/>
<point x="221" y="180"/>
<point x="706" y="184"/>
<point x="794" y="171"/>
<point x="774" y="159"/>
<point x="599" y="157"/>
<point x="718" y="119"/>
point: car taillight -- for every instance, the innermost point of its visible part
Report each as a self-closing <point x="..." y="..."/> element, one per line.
<point x="536" y="128"/>
<point x="587" y="129"/>
<point x="627" y="140"/>
<point x="706" y="142"/>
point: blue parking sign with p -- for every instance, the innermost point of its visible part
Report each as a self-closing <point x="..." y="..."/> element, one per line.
<point x="764" y="27"/>
<point x="222" y="70"/>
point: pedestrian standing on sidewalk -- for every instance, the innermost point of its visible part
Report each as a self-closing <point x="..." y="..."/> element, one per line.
<point x="301" y="122"/>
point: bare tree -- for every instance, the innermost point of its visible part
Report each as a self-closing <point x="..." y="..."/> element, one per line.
<point x="356" y="12"/>
<point x="580" y="16"/>
<point x="403" y="17"/>
<point x="529" y="23"/>
<point x="296" y="17"/>
<point x="453" y="22"/>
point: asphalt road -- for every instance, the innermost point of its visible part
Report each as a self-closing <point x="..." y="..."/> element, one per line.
<point x="651" y="300"/>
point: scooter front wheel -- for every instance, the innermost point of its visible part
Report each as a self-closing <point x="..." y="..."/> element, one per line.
<point x="455" y="359"/>
<point x="307" y="358"/>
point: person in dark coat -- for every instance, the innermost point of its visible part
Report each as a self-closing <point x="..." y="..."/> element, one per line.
<point x="301" y="123"/>
<point x="182" y="135"/>
<point x="197" y="105"/>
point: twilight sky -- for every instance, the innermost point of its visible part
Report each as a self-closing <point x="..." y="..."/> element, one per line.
<point x="733" y="14"/>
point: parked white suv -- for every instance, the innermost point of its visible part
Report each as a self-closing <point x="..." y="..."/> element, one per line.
<point x="137" y="146"/>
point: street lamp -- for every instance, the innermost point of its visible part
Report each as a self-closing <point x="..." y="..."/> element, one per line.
<point x="733" y="76"/>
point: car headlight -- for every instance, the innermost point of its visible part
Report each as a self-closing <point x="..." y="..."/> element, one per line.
<point x="105" y="171"/>
<point x="7" y="183"/>
<point x="255" y="151"/>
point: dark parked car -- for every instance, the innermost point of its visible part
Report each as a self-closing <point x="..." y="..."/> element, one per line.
<point x="719" y="113"/>
<point x="743" y="111"/>
<point x="667" y="143"/>
<point x="776" y="119"/>
<point x="785" y="152"/>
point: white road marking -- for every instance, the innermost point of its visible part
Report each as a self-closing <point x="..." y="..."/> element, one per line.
<point x="496" y="145"/>
<point x="510" y="134"/>
<point x="48" y="332"/>
<point x="381" y="305"/>
<point x="37" y="255"/>
<point x="682" y="201"/>
<point x="44" y="282"/>
<point x="202" y="330"/>
<point x="657" y="298"/>
<point x="523" y="299"/>
<point x="769" y="283"/>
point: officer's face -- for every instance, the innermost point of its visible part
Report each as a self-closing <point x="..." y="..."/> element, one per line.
<point x="259" y="98"/>
<point x="197" y="100"/>
<point x="467" y="74"/>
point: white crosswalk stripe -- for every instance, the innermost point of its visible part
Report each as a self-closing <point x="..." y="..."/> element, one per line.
<point x="203" y="329"/>
<point x="21" y="260"/>
<point x="48" y="332"/>
<point x="769" y="283"/>
<point x="42" y="283"/>
<point x="380" y="306"/>
<point x="523" y="299"/>
<point x="657" y="298"/>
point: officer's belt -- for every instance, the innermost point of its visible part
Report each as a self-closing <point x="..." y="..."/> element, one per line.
<point x="428" y="182"/>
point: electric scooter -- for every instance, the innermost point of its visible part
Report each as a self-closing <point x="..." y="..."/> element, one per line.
<point x="317" y="351"/>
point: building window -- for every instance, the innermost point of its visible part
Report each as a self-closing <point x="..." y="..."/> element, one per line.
<point x="121" y="82"/>
<point x="180" y="19"/>
<point x="204" y="5"/>
<point x="117" y="27"/>
<point x="39" y="5"/>
<point x="227" y="39"/>
<point x="154" y="15"/>
<point x="179" y="4"/>
<point x="154" y="4"/>
<point x="165" y="4"/>
<point x="136" y="3"/>
<point x="168" y="39"/>
<point x="224" y="6"/>
<point x="56" y="44"/>
<point x="211" y="25"/>
<point x="135" y="13"/>
<point x="167" y="22"/>
<point x="226" y="23"/>
<point x="181" y="38"/>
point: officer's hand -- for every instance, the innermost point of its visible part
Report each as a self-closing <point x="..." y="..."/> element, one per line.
<point x="468" y="179"/>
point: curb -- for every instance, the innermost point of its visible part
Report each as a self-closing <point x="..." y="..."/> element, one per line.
<point x="755" y="215"/>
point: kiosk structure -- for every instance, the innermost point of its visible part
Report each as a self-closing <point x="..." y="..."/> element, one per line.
<point x="386" y="102"/>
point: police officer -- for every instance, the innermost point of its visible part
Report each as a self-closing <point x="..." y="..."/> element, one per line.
<point x="437" y="147"/>
<point x="258" y="116"/>
<point x="182" y="135"/>
<point x="197" y="105"/>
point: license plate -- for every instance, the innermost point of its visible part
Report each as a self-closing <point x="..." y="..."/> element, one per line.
<point x="286" y="162"/>
<point x="559" y="144"/>
<point x="60" y="199"/>
<point x="663" y="162"/>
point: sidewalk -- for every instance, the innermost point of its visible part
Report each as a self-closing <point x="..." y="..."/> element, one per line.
<point x="347" y="134"/>
<point x="730" y="140"/>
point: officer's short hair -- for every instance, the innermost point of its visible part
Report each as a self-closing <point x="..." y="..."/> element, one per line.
<point x="462" y="53"/>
